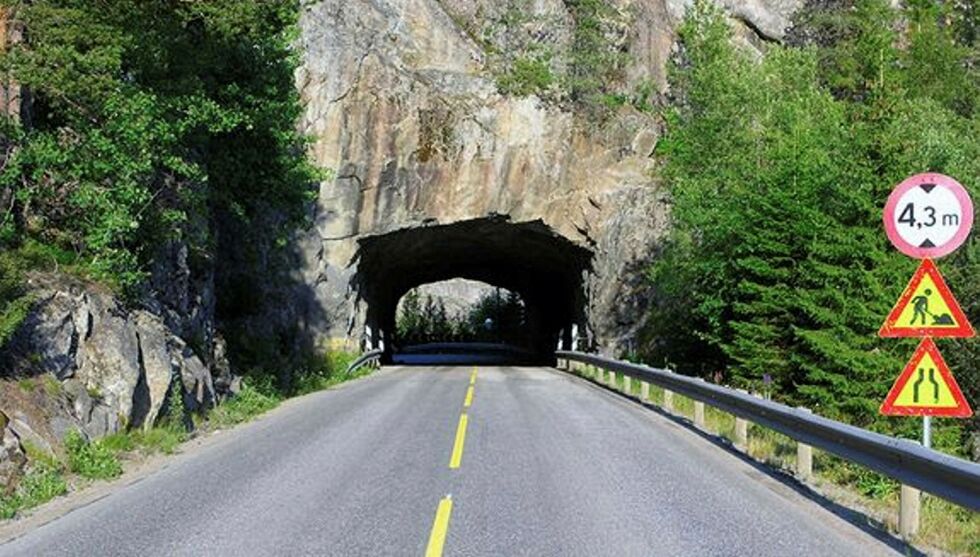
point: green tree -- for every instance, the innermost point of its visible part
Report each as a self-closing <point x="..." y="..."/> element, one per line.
<point x="152" y="121"/>
<point x="778" y="171"/>
<point x="409" y="323"/>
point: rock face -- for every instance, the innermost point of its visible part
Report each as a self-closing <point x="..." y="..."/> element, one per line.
<point x="401" y="102"/>
<point x="12" y="457"/>
<point x="101" y="367"/>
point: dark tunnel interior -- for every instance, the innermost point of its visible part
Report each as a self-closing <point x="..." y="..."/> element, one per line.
<point x="529" y="258"/>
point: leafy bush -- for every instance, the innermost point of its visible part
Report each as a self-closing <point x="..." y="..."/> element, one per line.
<point x="41" y="484"/>
<point x="323" y="372"/>
<point x="90" y="460"/>
<point x="248" y="403"/>
<point x="528" y="75"/>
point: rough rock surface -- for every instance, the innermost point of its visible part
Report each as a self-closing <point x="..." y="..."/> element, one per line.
<point x="12" y="457"/>
<point x="400" y="101"/>
<point x="83" y="361"/>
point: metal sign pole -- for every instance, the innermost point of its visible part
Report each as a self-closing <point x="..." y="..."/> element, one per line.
<point x="927" y="431"/>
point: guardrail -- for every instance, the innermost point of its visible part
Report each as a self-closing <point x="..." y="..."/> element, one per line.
<point x="910" y="463"/>
<point x="372" y="358"/>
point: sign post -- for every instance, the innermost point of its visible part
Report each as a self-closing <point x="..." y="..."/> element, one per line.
<point x="927" y="216"/>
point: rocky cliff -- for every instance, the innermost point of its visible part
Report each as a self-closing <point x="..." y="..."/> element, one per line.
<point x="403" y="99"/>
<point x="410" y="104"/>
<point x="85" y="362"/>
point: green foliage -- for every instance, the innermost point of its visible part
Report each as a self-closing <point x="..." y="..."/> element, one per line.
<point x="421" y="323"/>
<point x="41" y="484"/>
<point x="90" y="460"/>
<point x="778" y="170"/>
<point x="119" y="442"/>
<point x="528" y="58"/>
<point x="150" y="119"/>
<point x="526" y="76"/>
<point x="158" y="439"/>
<point x="596" y="62"/>
<point x="15" y="304"/>
<point x="175" y="417"/>
<point x="248" y="403"/>
<point x="161" y="439"/>
<point x="323" y="372"/>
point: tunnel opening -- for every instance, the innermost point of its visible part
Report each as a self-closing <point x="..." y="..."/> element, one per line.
<point x="545" y="270"/>
<point x="460" y="319"/>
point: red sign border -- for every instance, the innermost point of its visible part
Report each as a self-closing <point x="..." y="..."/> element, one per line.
<point x="890" y="329"/>
<point x="919" y="252"/>
<point x="962" y="408"/>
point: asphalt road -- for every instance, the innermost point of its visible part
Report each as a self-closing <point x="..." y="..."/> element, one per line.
<point x="548" y="465"/>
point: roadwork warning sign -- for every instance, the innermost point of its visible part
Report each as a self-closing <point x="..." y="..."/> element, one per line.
<point x="926" y="388"/>
<point x="927" y="308"/>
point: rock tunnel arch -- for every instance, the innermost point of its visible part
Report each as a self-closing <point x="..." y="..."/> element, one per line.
<point x="547" y="270"/>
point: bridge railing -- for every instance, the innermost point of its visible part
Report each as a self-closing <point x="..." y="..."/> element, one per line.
<point x="371" y="358"/>
<point x="915" y="466"/>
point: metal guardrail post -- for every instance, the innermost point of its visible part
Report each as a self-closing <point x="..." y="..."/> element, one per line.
<point x="908" y="512"/>
<point x="627" y="385"/>
<point x="742" y="431"/>
<point x="804" y="458"/>
<point x="644" y="391"/>
<point x="611" y="380"/>
<point x="668" y="400"/>
<point x="699" y="414"/>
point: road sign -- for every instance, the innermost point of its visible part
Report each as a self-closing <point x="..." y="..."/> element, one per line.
<point x="926" y="388"/>
<point x="927" y="308"/>
<point x="928" y="215"/>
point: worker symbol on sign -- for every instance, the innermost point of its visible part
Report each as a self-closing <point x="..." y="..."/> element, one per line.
<point x="921" y="307"/>
<point x="927" y="308"/>
<point x="920" y="310"/>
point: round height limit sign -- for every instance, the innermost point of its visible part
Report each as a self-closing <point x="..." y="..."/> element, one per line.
<point x="928" y="215"/>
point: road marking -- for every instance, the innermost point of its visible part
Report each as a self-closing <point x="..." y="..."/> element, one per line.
<point x="437" y="539"/>
<point x="460" y="441"/>
<point x="473" y="377"/>
<point x="469" y="397"/>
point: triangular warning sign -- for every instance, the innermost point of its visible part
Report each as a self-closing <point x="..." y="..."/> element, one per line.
<point x="926" y="388"/>
<point x="927" y="309"/>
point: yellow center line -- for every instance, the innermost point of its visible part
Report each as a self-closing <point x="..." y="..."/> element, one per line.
<point x="460" y="441"/>
<point x="473" y="377"/>
<point x="437" y="539"/>
<point x="469" y="397"/>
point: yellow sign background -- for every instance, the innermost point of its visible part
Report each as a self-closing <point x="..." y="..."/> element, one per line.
<point x="937" y="307"/>
<point x="926" y="389"/>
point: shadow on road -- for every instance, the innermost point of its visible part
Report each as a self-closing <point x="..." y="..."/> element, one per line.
<point x="471" y="353"/>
